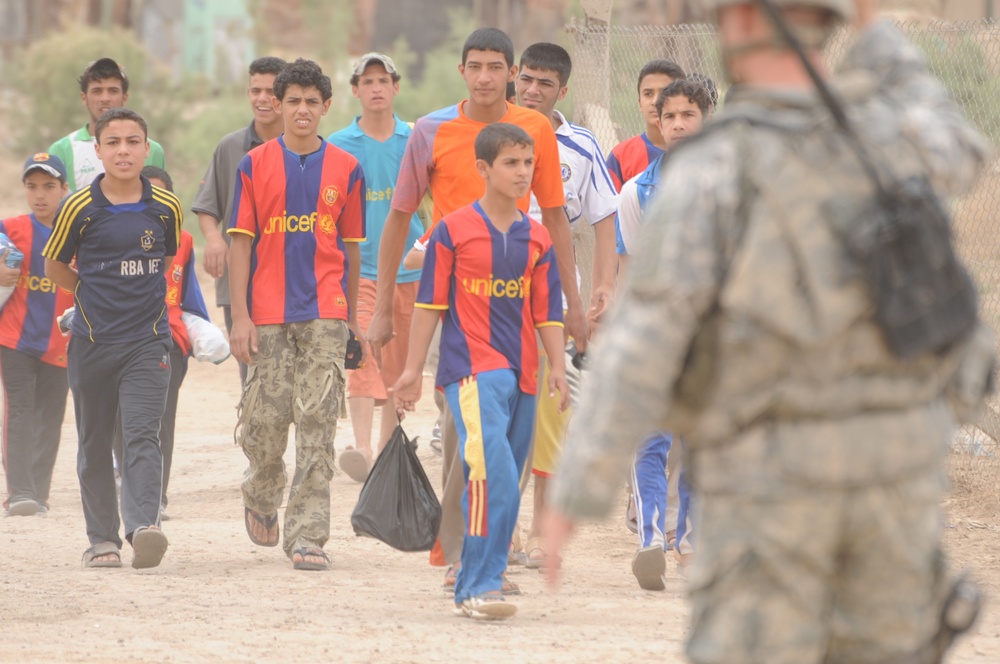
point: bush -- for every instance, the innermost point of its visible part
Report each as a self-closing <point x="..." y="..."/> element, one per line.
<point x="44" y="81"/>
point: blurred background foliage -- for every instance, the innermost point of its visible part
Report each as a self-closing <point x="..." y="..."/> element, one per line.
<point x="186" y="61"/>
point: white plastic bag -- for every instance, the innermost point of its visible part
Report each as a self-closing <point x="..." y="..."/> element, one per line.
<point x="208" y="343"/>
<point x="13" y="260"/>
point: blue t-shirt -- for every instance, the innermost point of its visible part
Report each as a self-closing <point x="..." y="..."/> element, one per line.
<point x="120" y="253"/>
<point x="380" y="162"/>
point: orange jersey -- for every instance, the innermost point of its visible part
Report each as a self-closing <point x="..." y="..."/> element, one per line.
<point x="441" y="156"/>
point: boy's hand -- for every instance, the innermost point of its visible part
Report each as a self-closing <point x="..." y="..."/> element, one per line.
<point x="557" y="381"/>
<point x="243" y="340"/>
<point x="600" y="300"/>
<point x="215" y="255"/>
<point x="379" y="333"/>
<point x="406" y="389"/>
<point x="576" y="327"/>
<point x="8" y="275"/>
<point x="353" y="326"/>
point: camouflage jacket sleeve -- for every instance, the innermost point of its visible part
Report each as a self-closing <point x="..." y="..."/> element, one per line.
<point x="672" y="282"/>
<point x="921" y="106"/>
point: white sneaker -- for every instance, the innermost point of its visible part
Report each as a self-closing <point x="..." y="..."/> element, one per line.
<point x="486" y="607"/>
<point x="650" y="567"/>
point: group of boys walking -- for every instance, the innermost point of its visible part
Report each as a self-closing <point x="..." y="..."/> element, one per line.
<point x="808" y="554"/>
<point x="305" y="237"/>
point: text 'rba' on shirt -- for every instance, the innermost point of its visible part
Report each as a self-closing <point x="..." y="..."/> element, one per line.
<point x="300" y="211"/>
<point x="496" y="288"/>
<point x="121" y="253"/>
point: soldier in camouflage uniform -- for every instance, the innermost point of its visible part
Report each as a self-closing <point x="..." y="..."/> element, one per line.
<point x="818" y="459"/>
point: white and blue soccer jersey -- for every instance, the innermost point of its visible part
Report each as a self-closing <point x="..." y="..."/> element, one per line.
<point x="590" y="194"/>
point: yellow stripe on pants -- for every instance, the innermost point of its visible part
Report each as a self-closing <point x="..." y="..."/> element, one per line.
<point x="475" y="456"/>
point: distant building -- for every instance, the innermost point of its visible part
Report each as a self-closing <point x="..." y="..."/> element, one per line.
<point x="209" y="37"/>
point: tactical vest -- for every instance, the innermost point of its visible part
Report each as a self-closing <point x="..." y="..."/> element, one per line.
<point x="792" y="335"/>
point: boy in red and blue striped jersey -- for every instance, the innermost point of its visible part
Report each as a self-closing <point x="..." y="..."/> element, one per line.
<point x="294" y="269"/>
<point x="490" y="273"/>
<point x="32" y="349"/>
<point x="633" y="155"/>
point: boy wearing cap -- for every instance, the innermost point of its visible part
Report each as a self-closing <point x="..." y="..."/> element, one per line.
<point x="103" y="85"/>
<point x="120" y="233"/>
<point x="32" y="350"/>
<point x="377" y="139"/>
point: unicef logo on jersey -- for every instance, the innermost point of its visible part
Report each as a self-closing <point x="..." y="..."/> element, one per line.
<point x="565" y="171"/>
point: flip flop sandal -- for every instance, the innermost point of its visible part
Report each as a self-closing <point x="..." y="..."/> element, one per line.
<point x="515" y="554"/>
<point x="91" y="555"/>
<point x="312" y="551"/>
<point x="449" y="580"/>
<point x="355" y="464"/>
<point x="537" y="556"/>
<point x="148" y="546"/>
<point x="268" y="521"/>
<point x="508" y="587"/>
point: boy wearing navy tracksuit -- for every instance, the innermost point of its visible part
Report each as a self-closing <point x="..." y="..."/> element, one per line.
<point x="122" y="233"/>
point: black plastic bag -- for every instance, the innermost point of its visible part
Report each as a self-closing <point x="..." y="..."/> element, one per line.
<point x="397" y="504"/>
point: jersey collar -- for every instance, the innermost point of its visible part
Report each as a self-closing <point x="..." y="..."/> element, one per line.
<point x="564" y="128"/>
<point x="354" y="129"/>
<point x="322" y="144"/>
<point x="651" y="175"/>
<point x="83" y="134"/>
<point x="251" y="139"/>
<point x="98" y="198"/>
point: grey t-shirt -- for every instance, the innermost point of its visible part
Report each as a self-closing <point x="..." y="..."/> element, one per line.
<point x="215" y="197"/>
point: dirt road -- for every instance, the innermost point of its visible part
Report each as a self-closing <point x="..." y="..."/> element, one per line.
<point x="217" y="597"/>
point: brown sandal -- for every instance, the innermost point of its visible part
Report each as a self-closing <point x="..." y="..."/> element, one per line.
<point x="91" y="555"/>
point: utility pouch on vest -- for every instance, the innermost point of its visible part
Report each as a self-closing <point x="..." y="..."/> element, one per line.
<point x="924" y="298"/>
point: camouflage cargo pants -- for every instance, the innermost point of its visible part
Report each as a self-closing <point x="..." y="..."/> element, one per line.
<point x="810" y="576"/>
<point x="297" y="378"/>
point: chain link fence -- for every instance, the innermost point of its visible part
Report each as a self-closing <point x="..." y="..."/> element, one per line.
<point x="965" y="56"/>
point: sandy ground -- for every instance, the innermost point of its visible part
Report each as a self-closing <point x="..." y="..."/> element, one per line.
<point x="217" y="597"/>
